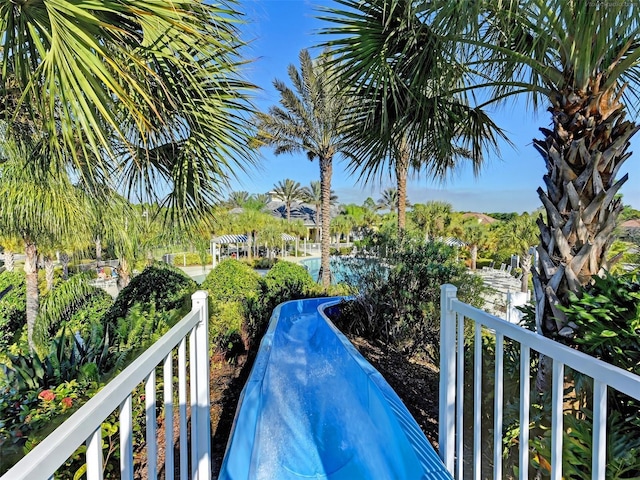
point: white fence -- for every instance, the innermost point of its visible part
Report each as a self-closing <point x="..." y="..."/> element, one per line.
<point x="452" y="379"/>
<point x="84" y="426"/>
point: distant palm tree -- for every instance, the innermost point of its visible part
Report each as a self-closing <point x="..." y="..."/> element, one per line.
<point x="289" y="192"/>
<point x="313" y="195"/>
<point x="520" y="235"/>
<point x="311" y="120"/>
<point x="389" y="199"/>
<point x="474" y="234"/>
<point x="432" y="218"/>
<point x="238" y="199"/>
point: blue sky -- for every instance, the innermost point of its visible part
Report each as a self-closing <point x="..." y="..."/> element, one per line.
<point x="279" y="29"/>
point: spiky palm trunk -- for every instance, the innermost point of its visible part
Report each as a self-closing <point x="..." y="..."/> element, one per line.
<point x="326" y="170"/>
<point x="124" y="275"/>
<point x="64" y="260"/>
<point x="474" y="255"/>
<point x="402" y="171"/>
<point x="48" y="271"/>
<point x="33" y="298"/>
<point x="98" y="241"/>
<point x="9" y="260"/>
<point x="583" y="154"/>
<point x="525" y="262"/>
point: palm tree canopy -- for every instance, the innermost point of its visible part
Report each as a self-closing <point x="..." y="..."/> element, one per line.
<point x="141" y="90"/>
<point x="380" y="50"/>
<point x="289" y="191"/>
<point x="311" y="116"/>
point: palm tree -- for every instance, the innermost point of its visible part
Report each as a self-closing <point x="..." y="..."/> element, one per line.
<point x="10" y="244"/>
<point x="520" y="234"/>
<point x="313" y="195"/>
<point x="399" y="128"/>
<point x="148" y="89"/>
<point x="432" y="218"/>
<point x="238" y="199"/>
<point x="310" y="120"/>
<point x="475" y="235"/>
<point x="42" y="206"/>
<point x="580" y="60"/>
<point x="343" y="224"/>
<point x="389" y="199"/>
<point x="289" y="192"/>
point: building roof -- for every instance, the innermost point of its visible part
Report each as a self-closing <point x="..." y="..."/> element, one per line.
<point x="482" y="218"/>
<point x="633" y="223"/>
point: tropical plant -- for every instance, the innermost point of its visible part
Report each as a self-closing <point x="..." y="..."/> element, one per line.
<point x="310" y="120"/>
<point x="42" y="206"/>
<point x="399" y="126"/>
<point x="432" y="218"/>
<point x="389" y="199"/>
<point x="520" y="235"/>
<point x="289" y="191"/>
<point x="150" y="90"/>
<point x="232" y="280"/>
<point x="237" y="199"/>
<point x="581" y="60"/>
<point x="313" y="195"/>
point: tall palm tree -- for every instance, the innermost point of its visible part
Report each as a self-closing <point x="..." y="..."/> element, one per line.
<point x="313" y="195"/>
<point x="150" y="90"/>
<point x="474" y="234"/>
<point x="289" y="191"/>
<point x="580" y="60"/>
<point x="400" y="128"/>
<point x="310" y="120"/>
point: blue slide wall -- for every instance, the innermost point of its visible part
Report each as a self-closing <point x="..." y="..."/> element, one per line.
<point x="313" y="407"/>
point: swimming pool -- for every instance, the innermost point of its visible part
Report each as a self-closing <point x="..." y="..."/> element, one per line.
<point x="313" y="407"/>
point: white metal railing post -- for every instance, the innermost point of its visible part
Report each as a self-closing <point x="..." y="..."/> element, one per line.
<point x="447" y="426"/>
<point x="203" y="428"/>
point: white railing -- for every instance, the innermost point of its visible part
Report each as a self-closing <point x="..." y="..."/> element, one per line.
<point x="452" y="373"/>
<point x="84" y="426"/>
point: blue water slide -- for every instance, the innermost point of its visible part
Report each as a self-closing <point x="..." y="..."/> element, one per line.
<point x="314" y="408"/>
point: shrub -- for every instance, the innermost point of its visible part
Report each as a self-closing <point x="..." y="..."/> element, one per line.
<point x="167" y="287"/>
<point x="288" y="281"/>
<point x="12" y="307"/>
<point x="232" y="280"/>
<point x="398" y="295"/>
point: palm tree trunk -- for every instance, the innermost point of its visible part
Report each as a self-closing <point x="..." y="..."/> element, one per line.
<point x="583" y="153"/>
<point x="402" y="170"/>
<point x="9" y="260"/>
<point x="33" y="298"/>
<point x="526" y="270"/>
<point x="124" y="276"/>
<point x="48" y="270"/>
<point x="64" y="259"/>
<point x="474" y="256"/>
<point x="98" y="241"/>
<point x="326" y="170"/>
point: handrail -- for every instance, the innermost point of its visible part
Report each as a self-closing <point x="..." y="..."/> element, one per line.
<point x="43" y="461"/>
<point x="452" y="380"/>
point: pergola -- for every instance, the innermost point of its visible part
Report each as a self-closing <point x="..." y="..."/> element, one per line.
<point x="238" y="239"/>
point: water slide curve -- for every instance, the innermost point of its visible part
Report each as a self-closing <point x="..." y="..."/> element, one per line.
<point x="314" y="408"/>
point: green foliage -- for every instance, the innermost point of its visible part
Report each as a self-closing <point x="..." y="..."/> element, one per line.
<point x="164" y="286"/>
<point x="232" y="280"/>
<point x="12" y="307"/>
<point x="264" y="262"/>
<point x="61" y="303"/>
<point x="607" y="316"/>
<point x="401" y="303"/>
<point x="287" y="281"/>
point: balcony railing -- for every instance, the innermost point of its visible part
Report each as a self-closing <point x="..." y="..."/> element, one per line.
<point x="452" y="379"/>
<point x="186" y="346"/>
<point x="84" y="426"/>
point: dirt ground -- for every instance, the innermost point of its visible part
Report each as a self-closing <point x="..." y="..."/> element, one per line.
<point x="416" y="384"/>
